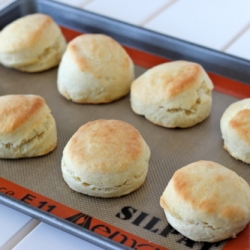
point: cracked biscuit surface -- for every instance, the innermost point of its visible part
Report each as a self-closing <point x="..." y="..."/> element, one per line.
<point x="206" y="201"/>
<point x="235" y="127"/>
<point x="105" y="158"/>
<point x="173" y="94"/>
<point x="95" y="69"/>
<point x="32" y="43"/>
<point x="27" y="128"/>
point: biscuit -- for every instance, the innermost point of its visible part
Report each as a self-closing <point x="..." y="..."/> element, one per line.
<point x="105" y="158"/>
<point x="32" y="43"/>
<point x="173" y="94"/>
<point x="235" y="127"/>
<point x="95" y="69"/>
<point x="28" y="128"/>
<point x="206" y="201"/>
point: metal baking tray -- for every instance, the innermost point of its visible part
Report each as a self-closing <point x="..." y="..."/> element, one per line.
<point x="35" y="186"/>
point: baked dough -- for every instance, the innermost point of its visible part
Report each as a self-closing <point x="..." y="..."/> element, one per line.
<point x="173" y="94"/>
<point x="105" y="158"/>
<point x="32" y="43"/>
<point x="27" y="128"/>
<point x="235" y="129"/>
<point x="206" y="201"/>
<point x="95" y="69"/>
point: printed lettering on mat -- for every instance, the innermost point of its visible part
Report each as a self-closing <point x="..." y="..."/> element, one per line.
<point x="99" y="227"/>
<point x="132" y="214"/>
<point x="128" y="213"/>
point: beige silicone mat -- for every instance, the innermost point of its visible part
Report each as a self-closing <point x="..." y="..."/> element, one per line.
<point x="140" y="212"/>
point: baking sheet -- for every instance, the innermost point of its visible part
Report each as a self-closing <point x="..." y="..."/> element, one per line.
<point x="138" y="213"/>
<point x="170" y="150"/>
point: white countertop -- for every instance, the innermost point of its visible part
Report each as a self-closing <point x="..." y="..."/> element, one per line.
<point x="221" y="25"/>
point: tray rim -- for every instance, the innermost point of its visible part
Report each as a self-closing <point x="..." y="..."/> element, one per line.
<point x="134" y="36"/>
<point x="160" y="45"/>
<point x="57" y="221"/>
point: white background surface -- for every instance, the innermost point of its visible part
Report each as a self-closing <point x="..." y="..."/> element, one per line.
<point x="9" y="228"/>
<point x="221" y="25"/>
<point x="40" y="239"/>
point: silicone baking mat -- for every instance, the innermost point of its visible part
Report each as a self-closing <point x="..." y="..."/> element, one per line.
<point x="136" y="220"/>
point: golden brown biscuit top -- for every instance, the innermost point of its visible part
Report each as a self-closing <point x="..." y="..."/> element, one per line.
<point x="15" y="110"/>
<point x="94" y="52"/>
<point x="24" y="32"/>
<point x="211" y="189"/>
<point x="104" y="146"/>
<point x="182" y="78"/>
<point x="241" y="124"/>
<point x="169" y="80"/>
